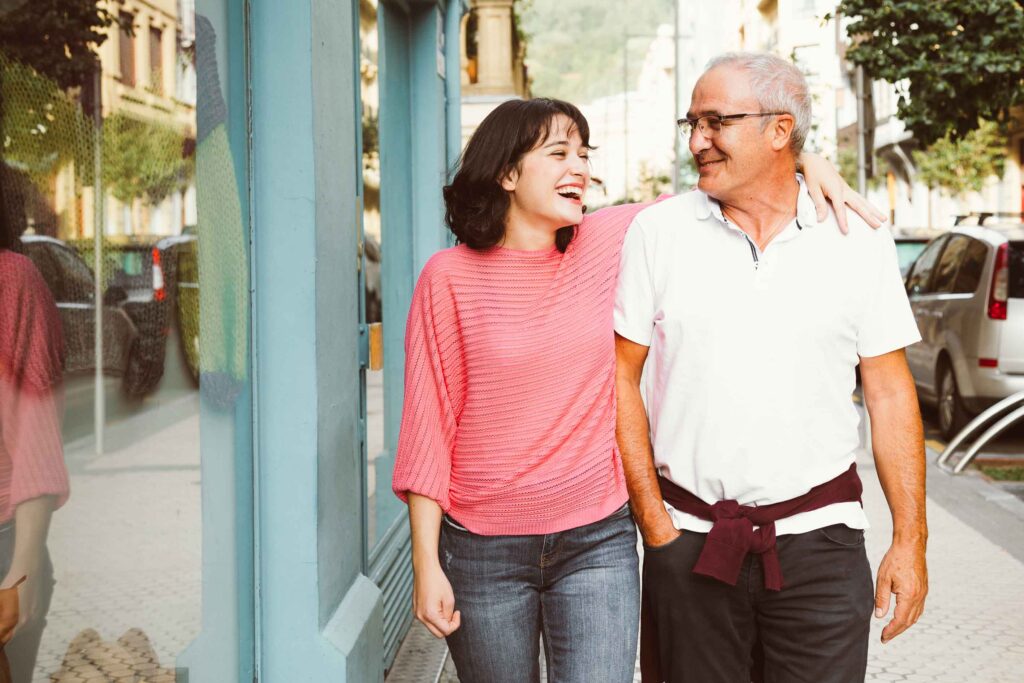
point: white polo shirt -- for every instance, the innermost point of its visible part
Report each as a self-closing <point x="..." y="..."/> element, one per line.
<point x="752" y="354"/>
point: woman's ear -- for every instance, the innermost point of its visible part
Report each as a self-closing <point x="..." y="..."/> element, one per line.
<point x="510" y="180"/>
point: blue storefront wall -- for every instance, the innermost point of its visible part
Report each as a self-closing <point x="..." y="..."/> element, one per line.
<point x="320" y="614"/>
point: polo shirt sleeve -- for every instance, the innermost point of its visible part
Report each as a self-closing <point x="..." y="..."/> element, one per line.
<point x="634" y="298"/>
<point x="887" y="323"/>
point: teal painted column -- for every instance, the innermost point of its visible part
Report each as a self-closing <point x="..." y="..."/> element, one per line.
<point x="429" y="151"/>
<point x="320" y="618"/>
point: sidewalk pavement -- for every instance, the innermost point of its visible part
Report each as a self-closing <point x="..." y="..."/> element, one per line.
<point x="972" y="630"/>
<point x="126" y="547"/>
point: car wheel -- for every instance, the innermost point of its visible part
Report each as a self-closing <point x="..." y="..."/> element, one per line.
<point x="951" y="412"/>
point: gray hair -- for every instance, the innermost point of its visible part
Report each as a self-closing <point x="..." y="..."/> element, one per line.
<point x="778" y="86"/>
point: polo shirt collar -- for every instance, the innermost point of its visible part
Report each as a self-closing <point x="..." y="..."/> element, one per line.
<point x="806" y="215"/>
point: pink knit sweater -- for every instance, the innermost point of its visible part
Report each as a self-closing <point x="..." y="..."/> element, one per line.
<point x="509" y="415"/>
<point x="31" y="359"/>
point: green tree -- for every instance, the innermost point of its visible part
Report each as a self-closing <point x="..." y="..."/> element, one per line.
<point x="41" y="128"/>
<point x="57" y="38"/>
<point x="962" y="166"/>
<point x="143" y="160"/>
<point x="954" y="62"/>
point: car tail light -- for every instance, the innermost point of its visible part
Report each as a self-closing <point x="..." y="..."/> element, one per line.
<point x="158" y="277"/>
<point x="1000" y="284"/>
<point x="988" y="362"/>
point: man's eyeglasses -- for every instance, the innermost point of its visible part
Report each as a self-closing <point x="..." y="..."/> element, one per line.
<point x="710" y="125"/>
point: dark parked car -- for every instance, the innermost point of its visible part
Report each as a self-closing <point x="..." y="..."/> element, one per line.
<point x="71" y="282"/>
<point x="138" y="301"/>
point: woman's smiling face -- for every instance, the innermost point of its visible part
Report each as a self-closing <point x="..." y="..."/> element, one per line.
<point x="548" y="186"/>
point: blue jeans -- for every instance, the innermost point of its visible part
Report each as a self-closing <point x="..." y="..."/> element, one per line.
<point x="578" y="589"/>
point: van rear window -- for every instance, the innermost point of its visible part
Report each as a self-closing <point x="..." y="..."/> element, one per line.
<point x="1016" y="270"/>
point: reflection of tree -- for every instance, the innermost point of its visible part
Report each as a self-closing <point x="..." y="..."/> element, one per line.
<point x="43" y="128"/>
<point x="57" y="38"/>
<point x="143" y="159"/>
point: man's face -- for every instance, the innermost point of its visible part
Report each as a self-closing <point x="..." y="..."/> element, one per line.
<point x="731" y="158"/>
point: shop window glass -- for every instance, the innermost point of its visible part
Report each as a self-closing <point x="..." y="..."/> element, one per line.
<point x="382" y="507"/>
<point x="126" y="51"/>
<point x="124" y="273"/>
<point x="156" y="61"/>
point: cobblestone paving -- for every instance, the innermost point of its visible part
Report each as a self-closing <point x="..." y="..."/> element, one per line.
<point x="972" y="630"/>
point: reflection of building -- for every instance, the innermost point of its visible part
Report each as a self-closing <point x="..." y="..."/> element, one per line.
<point x="370" y="91"/>
<point x="492" y="57"/>
<point x="148" y="75"/>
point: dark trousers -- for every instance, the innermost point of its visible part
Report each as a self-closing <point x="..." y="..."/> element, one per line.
<point x="815" y="629"/>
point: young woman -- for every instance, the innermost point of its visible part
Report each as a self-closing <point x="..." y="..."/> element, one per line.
<point x="507" y="454"/>
<point x="33" y="478"/>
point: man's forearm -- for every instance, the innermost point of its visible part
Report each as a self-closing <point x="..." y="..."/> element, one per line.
<point x="897" y="439"/>
<point x="633" y="435"/>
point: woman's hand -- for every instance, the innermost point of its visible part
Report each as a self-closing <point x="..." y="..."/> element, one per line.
<point x="825" y="185"/>
<point x="8" y="613"/>
<point x="433" y="601"/>
<point x="12" y="609"/>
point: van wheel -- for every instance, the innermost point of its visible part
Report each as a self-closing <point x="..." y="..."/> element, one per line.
<point x="952" y="414"/>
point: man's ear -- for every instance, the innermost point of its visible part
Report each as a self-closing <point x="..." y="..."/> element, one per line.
<point x="510" y="180"/>
<point x="782" y="130"/>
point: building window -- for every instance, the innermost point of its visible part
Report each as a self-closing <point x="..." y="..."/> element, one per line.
<point x="127" y="51"/>
<point x="156" y="63"/>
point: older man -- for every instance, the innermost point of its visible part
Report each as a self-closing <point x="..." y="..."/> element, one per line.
<point x="751" y="318"/>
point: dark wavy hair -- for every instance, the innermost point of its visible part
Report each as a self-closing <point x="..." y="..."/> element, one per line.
<point x="475" y="203"/>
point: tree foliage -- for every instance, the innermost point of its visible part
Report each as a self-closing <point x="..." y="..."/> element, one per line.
<point x="961" y="166"/>
<point x="576" y="48"/>
<point x="42" y="128"/>
<point x="57" y="38"/>
<point x="953" y="62"/>
<point x="143" y="160"/>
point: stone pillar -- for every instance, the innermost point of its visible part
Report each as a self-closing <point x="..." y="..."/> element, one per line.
<point x="494" y="47"/>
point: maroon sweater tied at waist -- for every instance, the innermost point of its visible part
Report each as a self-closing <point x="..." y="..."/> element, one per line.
<point x="732" y="534"/>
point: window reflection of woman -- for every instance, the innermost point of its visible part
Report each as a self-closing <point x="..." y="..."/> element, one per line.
<point x="33" y="477"/>
<point x="507" y="453"/>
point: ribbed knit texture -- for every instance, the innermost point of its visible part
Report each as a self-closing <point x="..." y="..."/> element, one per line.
<point x="509" y="415"/>
<point x="31" y="369"/>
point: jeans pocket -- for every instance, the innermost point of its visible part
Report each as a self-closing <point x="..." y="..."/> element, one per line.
<point x="842" y="535"/>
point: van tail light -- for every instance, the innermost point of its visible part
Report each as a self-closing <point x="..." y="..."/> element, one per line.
<point x="988" y="362"/>
<point x="1000" y="284"/>
<point x="159" y="293"/>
